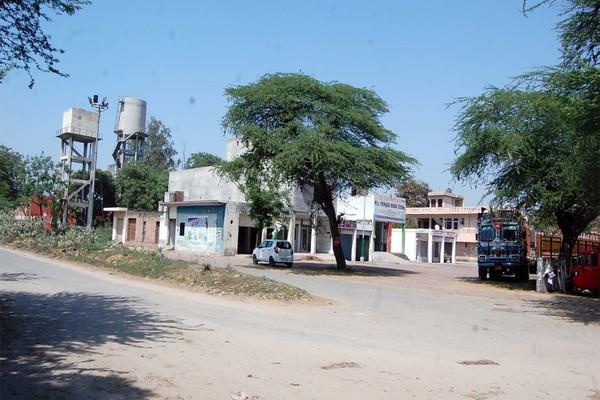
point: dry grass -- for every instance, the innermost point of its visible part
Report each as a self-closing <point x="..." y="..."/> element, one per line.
<point x="152" y="265"/>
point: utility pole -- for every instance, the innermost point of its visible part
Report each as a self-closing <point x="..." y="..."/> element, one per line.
<point x="99" y="107"/>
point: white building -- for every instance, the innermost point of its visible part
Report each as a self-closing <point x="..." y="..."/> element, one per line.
<point x="445" y="217"/>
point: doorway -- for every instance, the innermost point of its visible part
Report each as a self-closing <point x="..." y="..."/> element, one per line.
<point x="131" y="229"/>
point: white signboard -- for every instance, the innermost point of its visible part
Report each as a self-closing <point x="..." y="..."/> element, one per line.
<point x="390" y="209"/>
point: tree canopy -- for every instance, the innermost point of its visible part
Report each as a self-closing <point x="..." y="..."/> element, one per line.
<point x="536" y="145"/>
<point x="579" y="30"/>
<point x="415" y="192"/>
<point x="23" y="43"/>
<point x="202" y="159"/>
<point x="159" y="147"/>
<point x="141" y="185"/>
<point x="301" y="132"/>
<point x="11" y="163"/>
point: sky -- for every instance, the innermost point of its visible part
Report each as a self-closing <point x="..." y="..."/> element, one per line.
<point x="179" y="56"/>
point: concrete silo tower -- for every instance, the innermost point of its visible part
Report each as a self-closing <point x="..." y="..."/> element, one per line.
<point x="130" y="128"/>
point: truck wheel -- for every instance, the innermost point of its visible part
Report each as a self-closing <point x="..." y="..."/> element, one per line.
<point x="482" y="274"/>
<point x="523" y="275"/>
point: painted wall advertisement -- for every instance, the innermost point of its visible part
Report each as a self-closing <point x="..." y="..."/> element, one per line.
<point x="390" y="209"/>
<point x="197" y="228"/>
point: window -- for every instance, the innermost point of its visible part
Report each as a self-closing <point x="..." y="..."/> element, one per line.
<point x="432" y="203"/>
<point x="439" y="202"/>
<point x="448" y="223"/>
<point x="510" y="233"/>
<point x="181" y="228"/>
<point x="284" y="245"/>
<point x="462" y="222"/>
<point x="455" y="223"/>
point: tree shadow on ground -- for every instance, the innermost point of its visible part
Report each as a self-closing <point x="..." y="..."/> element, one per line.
<point x="16" y="276"/>
<point x="40" y="331"/>
<point x="585" y="310"/>
<point x="504" y="282"/>
<point x="306" y="268"/>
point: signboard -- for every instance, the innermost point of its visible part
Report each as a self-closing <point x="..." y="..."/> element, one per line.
<point x="390" y="209"/>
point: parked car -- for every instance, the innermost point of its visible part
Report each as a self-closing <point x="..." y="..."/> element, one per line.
<point x="274" y="252"/>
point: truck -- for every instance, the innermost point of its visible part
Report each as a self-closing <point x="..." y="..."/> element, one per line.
<point x="502" y="245"/>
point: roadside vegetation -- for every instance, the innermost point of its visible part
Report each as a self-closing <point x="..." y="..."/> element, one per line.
<point x="95" y="248"/>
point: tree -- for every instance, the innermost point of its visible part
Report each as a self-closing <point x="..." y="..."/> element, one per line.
<point x="159" y="148"/>
<point x="105" y="191"/>
<point x="266" y="203"/>
<point x="141" y="186"/>
<point x="23" y="43"/>
<point x="202" y="159"/>
<point x="579" y="30"/>
<point x="11" y="163"/>
<point x="300" y="132"/>
<point x="41" y="183"/>
<point x="415" y="192"/>
<point x="536" y="146"/>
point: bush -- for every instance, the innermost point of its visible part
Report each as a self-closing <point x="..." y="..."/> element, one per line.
<point x="12" y="229"/>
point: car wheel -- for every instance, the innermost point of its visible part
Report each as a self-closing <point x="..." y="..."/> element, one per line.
<point x="271" y="262"/>
<point x="290" y="265"/>
<point x="254" y="259"/>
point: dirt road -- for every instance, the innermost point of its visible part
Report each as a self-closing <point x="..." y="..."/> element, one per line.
<point x="70" y="333"/>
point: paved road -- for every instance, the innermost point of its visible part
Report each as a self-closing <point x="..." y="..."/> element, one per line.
<point x="70" y="332"/>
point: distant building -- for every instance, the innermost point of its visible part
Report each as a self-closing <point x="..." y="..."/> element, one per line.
<point x="446" y="216"/>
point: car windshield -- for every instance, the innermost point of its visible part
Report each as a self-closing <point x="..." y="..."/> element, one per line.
<point x="487" y="233"/>
<point x="284" y="245"/>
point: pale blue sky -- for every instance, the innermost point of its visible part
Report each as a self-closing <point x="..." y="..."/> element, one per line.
<point x="180" y="55"/>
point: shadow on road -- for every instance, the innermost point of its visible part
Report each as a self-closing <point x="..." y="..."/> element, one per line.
<point x="580" y="309"/>
<point x="504" y="282"/>
<point x="16" y="276"/>
<point x="305" y="268"/>
<point x="39" y="331"/>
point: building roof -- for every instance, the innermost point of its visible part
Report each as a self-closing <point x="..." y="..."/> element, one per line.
<point x="446" y="194"/>
<point x="205" y="203"/>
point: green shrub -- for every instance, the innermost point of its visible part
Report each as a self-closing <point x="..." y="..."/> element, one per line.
<point x="12" y="229"/>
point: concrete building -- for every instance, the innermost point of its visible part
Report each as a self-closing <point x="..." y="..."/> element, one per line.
<point x="366" y="224"/>
<point x="445" y="217"/>
<point x="134" y="226"/>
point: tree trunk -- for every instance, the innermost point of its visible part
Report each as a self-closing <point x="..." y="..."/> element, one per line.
<point x="258" y="239"/>
<point x="324" y="197"/>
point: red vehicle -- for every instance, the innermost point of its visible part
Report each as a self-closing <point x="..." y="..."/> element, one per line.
<point x="586" y="272"/>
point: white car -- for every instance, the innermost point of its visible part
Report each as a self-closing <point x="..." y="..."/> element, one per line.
<point x="274" y="252"/>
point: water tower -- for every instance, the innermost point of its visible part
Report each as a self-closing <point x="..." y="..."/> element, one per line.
<point x="79" y="141"/>
<point x="130" y="128"/>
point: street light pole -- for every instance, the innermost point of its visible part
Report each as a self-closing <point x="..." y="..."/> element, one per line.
<point x="99" y="106"/>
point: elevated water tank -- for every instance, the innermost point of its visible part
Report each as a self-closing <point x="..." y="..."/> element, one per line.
<point x="80" y="124"/>
<point x="131" y="117"/>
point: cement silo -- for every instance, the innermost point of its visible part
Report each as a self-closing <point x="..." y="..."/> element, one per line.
<point x="130" y="128"/>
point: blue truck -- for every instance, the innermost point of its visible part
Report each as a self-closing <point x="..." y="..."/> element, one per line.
<point x="501" y="245"/>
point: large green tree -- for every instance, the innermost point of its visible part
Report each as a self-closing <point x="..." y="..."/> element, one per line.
<point x="159" y="149"/>
<point x="141" y="186"/>
<point x="202" y="159"/>
<point x="536" y="146"/>
<point x="11" y="163"/>
<point x="415" y="192"/>
<point x="300" y="132"/>
<point x="23" y="43"/>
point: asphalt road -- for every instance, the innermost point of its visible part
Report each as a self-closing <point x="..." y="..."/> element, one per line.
<point x="69" y="332"/>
